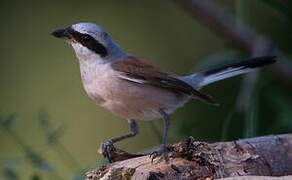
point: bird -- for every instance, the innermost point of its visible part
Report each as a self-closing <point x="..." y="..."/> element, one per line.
<point x="134" y="89"/>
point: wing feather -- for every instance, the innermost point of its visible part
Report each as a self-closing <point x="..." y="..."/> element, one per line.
<point x="139" y="71"/>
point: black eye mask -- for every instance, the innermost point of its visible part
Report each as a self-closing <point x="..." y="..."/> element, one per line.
<point x="89" y="42"/>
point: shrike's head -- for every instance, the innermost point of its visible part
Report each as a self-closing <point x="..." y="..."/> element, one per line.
<point x="90" y="42"/>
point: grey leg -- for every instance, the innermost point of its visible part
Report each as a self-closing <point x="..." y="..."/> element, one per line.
<point x="166" y="119"/>
<point x="162" y="150"/>
<point x="108" y="146"/>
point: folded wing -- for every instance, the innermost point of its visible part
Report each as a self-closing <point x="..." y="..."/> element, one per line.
<point x="139" y="71"/>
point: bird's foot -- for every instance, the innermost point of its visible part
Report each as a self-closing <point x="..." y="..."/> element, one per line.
<point x="108" y="149"/>
<point x="162" y="152"/>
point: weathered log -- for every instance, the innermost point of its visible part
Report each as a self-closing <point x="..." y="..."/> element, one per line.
<point x="261" y="156"/>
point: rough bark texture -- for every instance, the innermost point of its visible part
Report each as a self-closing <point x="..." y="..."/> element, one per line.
<point x="262" y="156"/>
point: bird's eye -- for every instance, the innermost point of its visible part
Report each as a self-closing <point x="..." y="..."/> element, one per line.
<point x="86" y="38"/>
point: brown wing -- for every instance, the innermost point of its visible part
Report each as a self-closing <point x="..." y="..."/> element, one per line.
<point x="140" y="71"/>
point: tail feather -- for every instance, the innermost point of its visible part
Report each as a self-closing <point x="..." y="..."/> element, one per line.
<point x="204" y="78"/>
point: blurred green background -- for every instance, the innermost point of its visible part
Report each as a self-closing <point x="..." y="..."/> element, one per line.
<point x="50" y="129"/>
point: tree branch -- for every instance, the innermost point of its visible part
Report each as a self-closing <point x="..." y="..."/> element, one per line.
<point x="262" y="156"/>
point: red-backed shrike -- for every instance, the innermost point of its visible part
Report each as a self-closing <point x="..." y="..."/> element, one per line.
<point x="134" y="89"/>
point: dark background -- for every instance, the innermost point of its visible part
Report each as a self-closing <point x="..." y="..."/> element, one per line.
<point x="50" y="129"/>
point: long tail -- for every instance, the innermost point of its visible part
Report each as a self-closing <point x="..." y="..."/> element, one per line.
<point x="204" y="78"/>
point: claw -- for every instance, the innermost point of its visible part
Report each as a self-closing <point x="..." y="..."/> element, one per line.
<point x="161" y="152"/>
<point x="107" y="149"/>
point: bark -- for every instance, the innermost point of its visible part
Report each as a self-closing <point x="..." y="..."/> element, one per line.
<point x="261" y="156"/>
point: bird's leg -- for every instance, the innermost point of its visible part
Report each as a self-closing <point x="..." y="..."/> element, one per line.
<point x="108" y="147"/>
<point x="162" y="150"/>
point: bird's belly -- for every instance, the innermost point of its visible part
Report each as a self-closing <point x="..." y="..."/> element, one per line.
<point x="132" y="100"/>
<point x="142" y="101"/>
<point x="132" y="110"/>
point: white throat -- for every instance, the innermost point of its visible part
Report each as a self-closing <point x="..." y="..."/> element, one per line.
<point x="92" y="65"/>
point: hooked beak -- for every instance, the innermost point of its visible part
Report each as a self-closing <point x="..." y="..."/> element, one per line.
<point x="61" y="33"/>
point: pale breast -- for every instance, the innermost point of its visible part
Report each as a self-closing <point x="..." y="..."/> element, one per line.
<point x="97" y="81"/>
